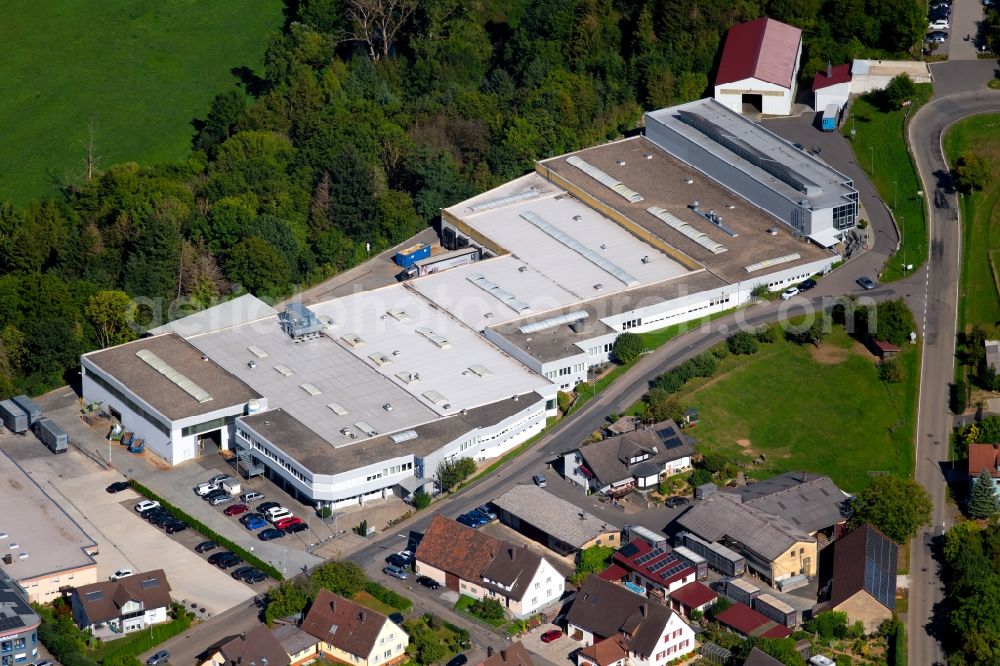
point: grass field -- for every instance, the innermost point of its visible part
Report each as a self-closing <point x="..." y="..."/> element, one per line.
<point x="820" y="409"/>
<point x="136" y="72"/>
<point x="880" y="149"/>
<point x="979" y="302"/>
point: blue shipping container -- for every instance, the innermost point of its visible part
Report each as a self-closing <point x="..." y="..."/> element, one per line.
<point x="830" y="118"/>
<point x="411" y="255"/>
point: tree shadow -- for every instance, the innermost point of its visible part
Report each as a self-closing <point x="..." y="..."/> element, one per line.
<point x="253" y="84"/>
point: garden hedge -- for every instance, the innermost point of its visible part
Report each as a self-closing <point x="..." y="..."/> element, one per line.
<point x="388" y="597"/>
<point x="208" y="532"/>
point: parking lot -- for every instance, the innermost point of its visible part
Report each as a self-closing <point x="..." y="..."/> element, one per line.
<point x="124" y="539"/>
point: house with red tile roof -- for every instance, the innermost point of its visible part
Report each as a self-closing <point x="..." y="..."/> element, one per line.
<point x="350" y="633"/>
<point x="656" y="569"/>
<point x="746" y="621"/>
<point x="471" y="562"/>
<point x="984" y="456"/>
<point x="692" y="597"/>
<point x="759" y="66"/>
<point x="832" y="86"/>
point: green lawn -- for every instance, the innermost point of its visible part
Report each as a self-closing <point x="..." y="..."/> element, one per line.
<point x="979" y="302"/>
<point x="820" y="410"/>
<point x="463" y="606"/>
<point x="368" y="601"/>
<point x="880" y="149"/>
<point x="137" y="72"/>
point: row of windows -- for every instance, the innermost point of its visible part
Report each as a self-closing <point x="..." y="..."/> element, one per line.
<point x="596" y="351"/>
<point x="395" y="469"/>
<point x="844" y="216"/>
<point x="551" y="593"/>
<point x="631" y="323"/>
<point x="284" y="464"/>
<point x="794" y="278"/>
<point x="100" y="381"/>
<point x="672" y="649"/>
<point x="568" y="370"/>
<point x="214" y="424"/>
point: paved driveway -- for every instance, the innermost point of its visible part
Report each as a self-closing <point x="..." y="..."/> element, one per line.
<point x="558" y="652"/>
<point x="966" y="16"/>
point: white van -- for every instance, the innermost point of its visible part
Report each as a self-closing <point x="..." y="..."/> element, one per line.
<point x="275" y="514"/>
<point x="251" y="496"/>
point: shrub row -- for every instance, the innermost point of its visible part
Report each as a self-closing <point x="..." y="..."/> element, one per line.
<point x="144" y="640"/>
<point x="388" y="597"/>
<point x="199" y="526"/>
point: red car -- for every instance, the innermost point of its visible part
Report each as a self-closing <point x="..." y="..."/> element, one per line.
<point x="286" y="522"/>
<point x="236" y="509"/>
<point x="551" y="636"/>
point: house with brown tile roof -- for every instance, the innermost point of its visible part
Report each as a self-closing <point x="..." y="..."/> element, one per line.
<point x="352" y="633"/>
<point x="124" y="605"/>
<point x="984" y="456"/>
<point x="608" y="619"/>
<point x="483" y="567"/>
<point x="257" y="647"/>
<point x="864" y="576"/>
<point x="514" y="654"/>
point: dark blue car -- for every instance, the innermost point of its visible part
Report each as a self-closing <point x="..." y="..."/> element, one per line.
<point x="256" y="523"/>
<point x="269" y="535"/>
<point x="468" y="521"/>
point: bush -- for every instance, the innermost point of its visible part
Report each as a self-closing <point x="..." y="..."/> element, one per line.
<point x="742" y="343"/>
<point x="766" y="335"/>
<point x="704" y="364"/>
<point x="699" y="476"/>
<point x="828" y="625"/>
<point x="959" y="397"/>
<point x="890" y="371"/>
<point x="200" y="527"/>
<point x="450" y="473"/>
<point x="669" y="381"/>
<point x="490" y="610"/>
<point x="325" y="512"/>
<point x="421" y="500"/>
<point x="720" y="351"/>
<point x="288" y="598"/>
<point x="714" y="462"/>
<point x="627" y="348"/>
<point x="564" y="400"/>
<point x="388" y="597"/>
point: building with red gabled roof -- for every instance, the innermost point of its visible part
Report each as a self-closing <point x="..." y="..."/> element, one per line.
<point x="832" y="86"/>
<point x="746" y="621"/>
<point x="984" y="456"/>
<point x="657" y="569"/>
<point x="760" y="62"/>
<point x="692" y="597"/>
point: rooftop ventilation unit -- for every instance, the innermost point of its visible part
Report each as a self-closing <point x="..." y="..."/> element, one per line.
<point x="435" y="398"/>
<point x="438" y="340"/>
<point x="683" y="227"/>
<point x="366" y="428"/>
<point x="185" y="384"/>
<point x="480" y="370"/>
<point x="714" y="218"/>
<point x="398" y="314"/>
<point x="387" y="406"/>
<point x="503" y="201"/>
<point x="403" y="436"/>
<point x="283" y="370"/>
<point x="496" y="292"/>
<point x="337" y="408"/>
<point x="767" y="263"/>
<point x="380" y="359"/>
<point x="608" y="181"/>
<point x="347" y="432"/>
<point x="257" y="351"/>
<point x="408" y="377"/>
<point x="558" y="320"/>
<point x="352" y="339"/>
<point x="580" y="249"/>
<point x="299" y="322"/>
<point x="310" y="389"/>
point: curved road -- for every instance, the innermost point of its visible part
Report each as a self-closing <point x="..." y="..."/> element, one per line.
<point x="938" y="317"/>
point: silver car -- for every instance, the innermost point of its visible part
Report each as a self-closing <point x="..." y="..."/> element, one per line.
<point x="158" y="658"/>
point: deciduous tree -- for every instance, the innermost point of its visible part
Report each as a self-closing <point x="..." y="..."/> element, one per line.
<point x="895" y="505"/>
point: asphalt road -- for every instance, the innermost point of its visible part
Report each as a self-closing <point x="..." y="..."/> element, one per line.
<point x="938" y="319"/>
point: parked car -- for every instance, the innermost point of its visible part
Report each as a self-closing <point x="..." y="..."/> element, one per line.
<point x="789" y="293"/>
<point x="551" y="636"/>
<point x="255" y="577"/>
<point x="429" y="583"/>
<point x="146" y="505"/>
<point x="203" y="489"/>
<point x="296" y="527"/>
<point x="121" y="573"/>
<point x="161" y="519"/>
<point x="247" y="516"/>
<point x="255" y="523"/>
<point x="264" y="506"/>
<point x="674" y="502"/>
<point x="218" y="492"/>
<point x="397" y="561"/>
<point x="539" y="480"/>
<point x="115" y="487"/>
<point x="807" y="284"/>
<point x="175" y="527"/>
<point x="218" y="478"/>
<point x="458" y="660"/>
<point x="225" y="498"/>
<point x="395" y="572"/>
<point x="215" y="557"/>
<point x="940" y="24"/>
<point x="228" y="562"/>
<point x="938" y="14"/>
<point x="277" y="513"/>
<point x="206" y="546"/>
<point x="936" y="37"/>
<point x="464" y="519"/>
<point x="486" y="511"/>
<point x="406" y="555"/>
<point x="238" y="572"/>
<point x="43" y="662"/>
<point x="271" y="534"/>
<point x="236" y="509"/>
<point x="285" y="523"/>
<point x="158" y="658"/>
<point x="251" y="496"/>
<point x="866" y="283"/>
<point x="155" y="516"/>
<point x="397" y="618"/>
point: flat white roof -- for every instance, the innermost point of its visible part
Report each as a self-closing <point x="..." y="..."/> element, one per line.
<point x="458" y="291"/>
<point x="230" y="313"/>
<point x="599" y="252"/>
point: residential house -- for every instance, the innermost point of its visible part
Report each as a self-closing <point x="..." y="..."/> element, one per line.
<point x="759" y="67"/>
<point x="758" y="657"/>
<point x="810" y="502"/>
<point x="300" y="646"/>
<point x="122" y="606"/>
<point x="257" y="647"/>
<point x="692" y="597"/>
<point x="634" y="459"/>
<point x="18" y="625"/>
<point x="351" y="633"/>
<point x="514" y="654"/>
<point x="832" y="86"/>
<point x="618" y="627"/>
<point x="483" y="567"/>
<point x="984" y="456"/>
<point x="657" y="570"/>
<point x="746" y="621"/>
<point x="864" y="576"/>
<point x="552" y="521"/>
<point x="774" y="548"/>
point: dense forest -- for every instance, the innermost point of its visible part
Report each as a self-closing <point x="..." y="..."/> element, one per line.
<point x="368" y="116"/>
<point x="971" y="575"/>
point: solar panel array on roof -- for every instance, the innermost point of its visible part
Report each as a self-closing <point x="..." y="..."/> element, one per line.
<point x="580" y="249"/>
<point x="880" y="570"/>
<point x="496" y="292"/>
<point x="672" y="442"/>
<point x="656" y="552"/>
<point x="628" y="550"/>
<point x="680" y="226"/>
<point x="612" y="183"/>
<point x="746" y="151"/>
